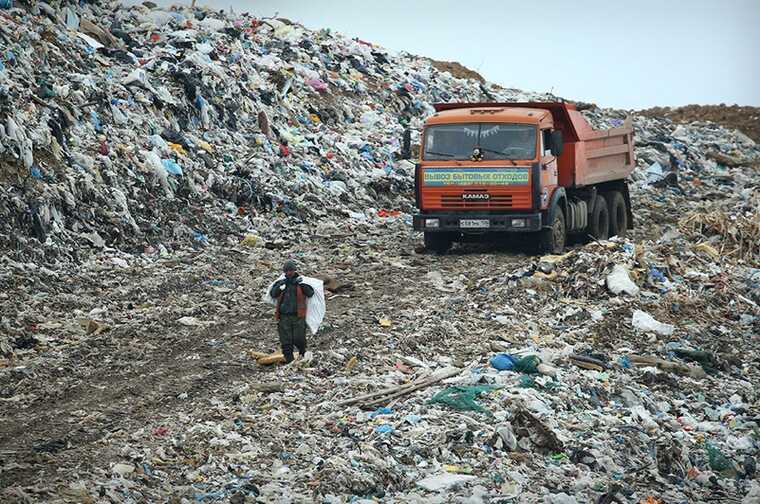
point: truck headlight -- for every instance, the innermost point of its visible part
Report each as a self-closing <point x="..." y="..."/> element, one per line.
<point x="432" y="223"/>
<point x="518" y="223"/>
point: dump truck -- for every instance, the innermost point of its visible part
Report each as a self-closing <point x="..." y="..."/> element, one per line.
<point x="520" y="171"/>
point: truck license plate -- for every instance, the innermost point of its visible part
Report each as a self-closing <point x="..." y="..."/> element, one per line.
<point x="474" y="223"/>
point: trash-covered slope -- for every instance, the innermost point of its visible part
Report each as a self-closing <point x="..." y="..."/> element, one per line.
<point x="171" y="173"/>
<point x="745" y="119"/>
<point x="138" y="129"/>
<point x="132" y="128"/>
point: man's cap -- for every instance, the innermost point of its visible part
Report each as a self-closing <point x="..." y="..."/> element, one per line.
<point x="289" y="266"/>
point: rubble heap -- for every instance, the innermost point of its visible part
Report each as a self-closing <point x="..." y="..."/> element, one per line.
<point x="156" y="168"/>
<point x="745" y="119"/>
<point x="134" y="128"/>
<point x="138" y="129"/>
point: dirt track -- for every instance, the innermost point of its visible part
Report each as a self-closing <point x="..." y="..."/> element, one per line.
<point x="157" y="394"/>
<point x="148" y="368"/>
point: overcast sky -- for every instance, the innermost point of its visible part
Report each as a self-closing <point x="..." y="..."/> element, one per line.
<point x="618" y="54"/>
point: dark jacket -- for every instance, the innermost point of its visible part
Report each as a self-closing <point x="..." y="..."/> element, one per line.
<point x="287" y="300"/>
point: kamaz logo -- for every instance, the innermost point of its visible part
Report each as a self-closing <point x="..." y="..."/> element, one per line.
<point x="476" y="196"/>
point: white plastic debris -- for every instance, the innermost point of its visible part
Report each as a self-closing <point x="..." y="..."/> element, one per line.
<point x="507" y="436"/>
<point x="443" y="481"/>
<point x="619" y="281"/>
<point x="560" y="498"/>
<point x="90" y="41"/>
<point x="753" y="496"/>
<point x="138" y="77"/>
<point x="640" y="414"/>
<point x="190" y="321"/>
<point x="644" y="322"/>
<point x="123" y="469"/>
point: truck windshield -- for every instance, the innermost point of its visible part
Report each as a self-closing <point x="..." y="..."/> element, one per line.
<point x="496" y="141"/>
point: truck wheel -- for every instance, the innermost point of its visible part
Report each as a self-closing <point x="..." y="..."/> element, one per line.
<point x="618" y="213"/>
<point x="599" y="227"/>
<point x="438" y="242"/>
<point x="552" y="240"/>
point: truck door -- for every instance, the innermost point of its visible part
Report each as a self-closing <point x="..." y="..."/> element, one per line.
<point x="548" y="168"/>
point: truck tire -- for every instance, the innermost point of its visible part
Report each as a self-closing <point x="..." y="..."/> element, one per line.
<point x="599" y="226"/>
<point x="553" y="239"/>
<point x="439" y="243"/>
<point x="618" y="213"/>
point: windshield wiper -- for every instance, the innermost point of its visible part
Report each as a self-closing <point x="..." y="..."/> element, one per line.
<point x="444" y="154"/>
<point x="500" y="154"/>
<point x="491" y="150"/>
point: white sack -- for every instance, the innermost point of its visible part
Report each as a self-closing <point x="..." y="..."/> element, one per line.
<point x="315" y="305"/>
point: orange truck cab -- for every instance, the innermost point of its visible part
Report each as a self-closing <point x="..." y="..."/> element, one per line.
<point x="488" y="169"/>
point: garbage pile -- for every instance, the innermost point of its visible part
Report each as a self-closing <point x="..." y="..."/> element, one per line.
<point x="622" y="371"/>
<point x="136" y="128"/>
<point x="702" y="177"/>
<point x="746" y="119"/>
<point x="158" y="166"/>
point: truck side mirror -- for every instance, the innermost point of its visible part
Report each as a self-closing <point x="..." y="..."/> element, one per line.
<point x="556" y="144"/>
<point x="406" y="145"/>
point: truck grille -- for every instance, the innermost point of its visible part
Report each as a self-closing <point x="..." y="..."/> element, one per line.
<point x="496" y="201"/>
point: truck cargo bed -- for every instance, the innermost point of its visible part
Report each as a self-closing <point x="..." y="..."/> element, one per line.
<point x="590" y="156"/>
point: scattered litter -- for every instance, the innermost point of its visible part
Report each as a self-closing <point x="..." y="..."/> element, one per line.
<point x="155" y="171"/>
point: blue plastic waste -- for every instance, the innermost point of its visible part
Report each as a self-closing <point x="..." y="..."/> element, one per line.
<point x="384" y="429"/>
<point x="412" y="419"/>
<point x="381" y="411"/>
<point x="36" y="173"/>
<point x="6" y="4"/>
<point x="96" y="121"/>
<point x="503" y="361"/>
<point x="172" y="167"/>
<point x="72" y="20"/>
<point x="656" y="274"/>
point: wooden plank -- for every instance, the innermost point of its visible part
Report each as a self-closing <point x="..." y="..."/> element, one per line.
<point x="386" y="394"/>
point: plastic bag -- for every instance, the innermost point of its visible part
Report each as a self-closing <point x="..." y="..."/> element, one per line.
<point x="507" y="362"/>
<point x="644" y="322"/>
<point x="528" y="364"/>
<point x="503" y="362"/>
<point x="317" y="84"/>
<point x="172" y="167"/>
<point x="718" y="461"/>
<point x="315" y="305"/>
<point x="462" y="398"/>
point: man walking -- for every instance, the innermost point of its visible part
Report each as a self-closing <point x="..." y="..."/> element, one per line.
<point x="291" y="293"/>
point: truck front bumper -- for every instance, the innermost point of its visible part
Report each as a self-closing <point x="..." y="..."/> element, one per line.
<point x="448" y="222"/>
